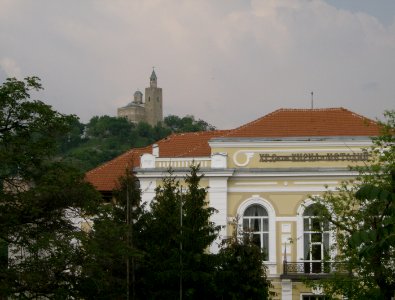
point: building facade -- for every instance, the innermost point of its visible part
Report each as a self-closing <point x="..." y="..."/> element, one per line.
<point x="149" y="111"/>
<point x="262" y="176"/>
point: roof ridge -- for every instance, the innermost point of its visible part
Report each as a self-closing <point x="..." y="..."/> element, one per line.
<point x="360" y="116"/>
<point x="256" y="120"/>
<point x="310" y="109"/>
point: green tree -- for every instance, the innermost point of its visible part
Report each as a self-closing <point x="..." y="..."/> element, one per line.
<point x="177" y="236"/>
<point x="41" y="198"/>
<point x="104" y="138"/>
<point x="241" y="272"/>
<point x="111" y="252"/>
<point x="74" y="137"/>
<point x="186" y="124"/>
<point x="362" y="213"/>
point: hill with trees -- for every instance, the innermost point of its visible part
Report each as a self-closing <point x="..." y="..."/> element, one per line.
<point x="104" y="137"/>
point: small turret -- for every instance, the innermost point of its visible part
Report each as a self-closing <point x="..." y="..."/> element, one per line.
<point x="138" y="97"/>
<point x="153" y="79"/>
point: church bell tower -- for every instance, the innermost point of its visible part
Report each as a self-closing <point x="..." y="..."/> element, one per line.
<point x="153" y="101"/>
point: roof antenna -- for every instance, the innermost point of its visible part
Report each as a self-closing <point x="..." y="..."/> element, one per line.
<point x="312" y="100"/>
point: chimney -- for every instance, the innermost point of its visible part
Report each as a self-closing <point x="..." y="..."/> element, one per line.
<point x="155" y="150"/>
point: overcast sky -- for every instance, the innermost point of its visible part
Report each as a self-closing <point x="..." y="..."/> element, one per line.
<point x="224" y="61"/>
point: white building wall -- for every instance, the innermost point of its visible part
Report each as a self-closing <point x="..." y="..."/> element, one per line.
<point x="218" y="190"/>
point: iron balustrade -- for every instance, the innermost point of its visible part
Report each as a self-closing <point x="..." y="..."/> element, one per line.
<point x="314" y="268"/>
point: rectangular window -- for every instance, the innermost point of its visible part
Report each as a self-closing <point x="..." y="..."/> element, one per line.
<point x="313" y="297"/>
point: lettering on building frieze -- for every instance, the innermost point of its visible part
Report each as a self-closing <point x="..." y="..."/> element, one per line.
<point x="311" y="157"/>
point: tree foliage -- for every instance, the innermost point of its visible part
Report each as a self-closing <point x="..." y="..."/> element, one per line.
<point x="177" y="235"/>
<point x="241" y="270"/>
<point x="362" y="213"/>
<point x="187" y="124"/>
<point x="105" y="137"/>
<point x="40" y="197"/>
<point x="162" y="252"/>
<point x="111" y="247"/>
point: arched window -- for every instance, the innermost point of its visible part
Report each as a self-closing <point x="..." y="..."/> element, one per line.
<point x="316" y="234"/>
<point x="257" y="218"/>
<point x="256" y="223"/>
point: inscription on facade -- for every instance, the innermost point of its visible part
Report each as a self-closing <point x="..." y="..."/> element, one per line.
<point x="308" y="157"/>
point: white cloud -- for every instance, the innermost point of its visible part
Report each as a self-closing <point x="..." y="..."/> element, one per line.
<point x="225" y="61"/>
<point x="10" y="67"/>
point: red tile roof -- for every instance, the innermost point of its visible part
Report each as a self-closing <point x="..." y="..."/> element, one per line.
<point x="280" y="123"/>
<point x="191" y="144"/>
<point x="308" y="122"/>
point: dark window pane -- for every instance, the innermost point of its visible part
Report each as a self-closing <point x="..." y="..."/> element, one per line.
<point x="326" y="241"/>
<point x="306" y="242"/>
<point x="256" y="223"/>
<point x="309" y="211"/>
<point x="256" y="239"/>
<point x="316" y="237"/>
<point x="265" y="242"/>
<point x="246" y="224"/>
<point x="325" y="225"/>
<point x="315" y="224"/>
<point x="317" y="267"/>
<point x="265" y="225"/>
<point x="306" y="224"/>
<point x="316" y="252"/>
<point x="313" y="297"/>
<point x="307" y="267"/>
<point x="255" y="211"/>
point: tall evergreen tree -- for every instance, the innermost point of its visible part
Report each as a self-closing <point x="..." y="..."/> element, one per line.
<point x="111" y="249"/>
<point x="177" y="240"/>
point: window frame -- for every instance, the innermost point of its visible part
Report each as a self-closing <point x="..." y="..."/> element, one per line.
<point x="301" y="238"/>
<point x="256" y="200"/>
<point x="261" y="221"/>
<point x="317" y="296"/>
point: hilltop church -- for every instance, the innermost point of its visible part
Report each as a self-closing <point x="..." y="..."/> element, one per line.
<point x="149" y="111"/>
<point x="263" y="172"/>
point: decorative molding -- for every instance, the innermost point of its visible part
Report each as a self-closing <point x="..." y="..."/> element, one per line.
<point x="286" y="219"/>
<point x="257" y="183"/>
<point x="248" y="156"/>
<point x="286" y="228"/>
<point x="147" y="161"/>
<point x="219" y="160"/>
<point x="358" y="142"/>
<point x="288" y="173"/>
<point x="284" y="189"/>
<point x="316" y="182"/>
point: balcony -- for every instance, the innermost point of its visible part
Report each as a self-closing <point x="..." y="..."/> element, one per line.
<point x="313" y="269"/>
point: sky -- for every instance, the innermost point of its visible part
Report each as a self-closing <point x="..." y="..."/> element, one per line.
<point x="227" y="62"/>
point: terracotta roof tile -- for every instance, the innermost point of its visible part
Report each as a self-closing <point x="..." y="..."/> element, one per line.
<point x="105" y="176"/>
<point x="280" y="123"/>
<point x="308" y="122"/>
<point x="191" y="144"/>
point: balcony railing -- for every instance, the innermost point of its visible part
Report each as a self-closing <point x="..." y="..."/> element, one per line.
<point x="313" y="269"/>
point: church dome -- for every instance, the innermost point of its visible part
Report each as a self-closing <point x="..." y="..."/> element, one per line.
<point x="138" y="97"/>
